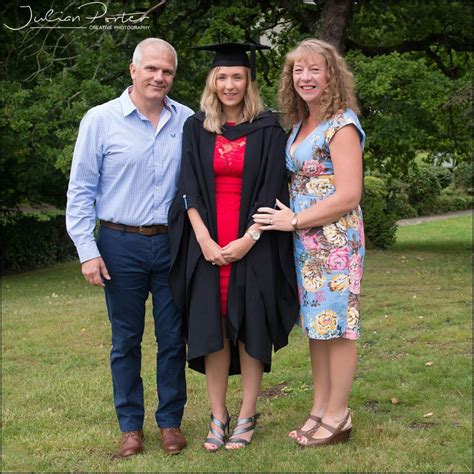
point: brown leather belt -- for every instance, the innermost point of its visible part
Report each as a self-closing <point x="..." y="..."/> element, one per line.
<point x="148" y="230"/>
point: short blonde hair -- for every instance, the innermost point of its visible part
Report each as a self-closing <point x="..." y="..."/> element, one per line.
<point x="212" y="107"/>
<point x="339" y="93"/>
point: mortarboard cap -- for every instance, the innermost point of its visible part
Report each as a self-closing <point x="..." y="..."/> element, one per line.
<point x="234" y="54"/>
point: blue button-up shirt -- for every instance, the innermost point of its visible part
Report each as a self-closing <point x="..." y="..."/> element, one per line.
<point x="123" y="170"/>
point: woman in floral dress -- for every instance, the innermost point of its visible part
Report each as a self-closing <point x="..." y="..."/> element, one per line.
<point x="324" y="157"/>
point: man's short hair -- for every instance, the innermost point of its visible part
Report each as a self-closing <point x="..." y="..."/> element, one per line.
<point x="158" y="43"/>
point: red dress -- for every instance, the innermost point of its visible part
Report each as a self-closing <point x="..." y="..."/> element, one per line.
<point x="228" y="169"/>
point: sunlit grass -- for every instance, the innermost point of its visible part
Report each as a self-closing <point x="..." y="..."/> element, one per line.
<point x="414" y="359"/>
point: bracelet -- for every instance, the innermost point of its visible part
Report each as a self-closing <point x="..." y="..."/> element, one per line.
<point x="294" y="221"/>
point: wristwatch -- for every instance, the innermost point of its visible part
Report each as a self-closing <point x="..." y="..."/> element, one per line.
<point x="254" y="234"/>
<point x="294" y="221"/>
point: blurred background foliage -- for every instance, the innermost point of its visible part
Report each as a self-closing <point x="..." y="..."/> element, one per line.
<point x="412" y="61"/>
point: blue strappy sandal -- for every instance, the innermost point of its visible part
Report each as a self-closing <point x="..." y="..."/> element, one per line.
<point x="219" y="438"/>
<point x="233" y="439"/>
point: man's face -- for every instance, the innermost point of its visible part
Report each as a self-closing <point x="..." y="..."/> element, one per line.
<point x="153" y="76"/>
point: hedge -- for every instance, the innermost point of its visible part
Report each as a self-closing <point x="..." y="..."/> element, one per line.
<point x="398" y="202"/>
<point x="452" y="199"/>
<point x="424" y="188"/>
<point x="34" y="240"/>
<point x="464" y="176"/>
<point x="379" y="221"/>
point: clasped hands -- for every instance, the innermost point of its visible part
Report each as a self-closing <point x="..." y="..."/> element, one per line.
<point x="274" y="219"/>
<point x="269" y="218"/>
<point x="233" y="251"/>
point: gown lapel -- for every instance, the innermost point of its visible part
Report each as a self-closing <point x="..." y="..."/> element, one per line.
<point x="207" y="160"/>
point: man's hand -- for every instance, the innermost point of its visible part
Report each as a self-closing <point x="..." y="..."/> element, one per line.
<point x="237" y="249"/>
<point x="94" y="270"/>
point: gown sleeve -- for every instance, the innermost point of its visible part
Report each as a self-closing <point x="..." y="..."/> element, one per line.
<point x="275" y="185"/>
<point x="179" y="228"/>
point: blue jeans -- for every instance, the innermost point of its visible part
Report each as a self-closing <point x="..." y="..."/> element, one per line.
<point x="138" y="265"/>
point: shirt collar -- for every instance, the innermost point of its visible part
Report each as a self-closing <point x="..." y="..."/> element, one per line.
<point x="168" y="103"/>
<point x="128" y="106"/>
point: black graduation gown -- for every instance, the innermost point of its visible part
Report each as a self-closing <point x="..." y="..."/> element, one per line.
<point x="262" y="296"/>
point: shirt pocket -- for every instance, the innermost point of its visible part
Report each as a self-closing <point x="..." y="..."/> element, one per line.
<point x="169" y="147"/>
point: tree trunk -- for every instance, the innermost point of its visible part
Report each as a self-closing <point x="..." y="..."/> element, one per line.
<point x="334" y="20"/>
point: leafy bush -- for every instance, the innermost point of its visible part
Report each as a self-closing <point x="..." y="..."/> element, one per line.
<point x="379" y="221"/>
<point x="424" y="189"/>
<point x="448" y="203"/>
<point x="398" y="202"/>
<point x="444" y="176"/>
<point x="34" y="240"/>
<point x="464" y="176"/>
<point x="453" y="199"/>
<point x="453" y="191"/>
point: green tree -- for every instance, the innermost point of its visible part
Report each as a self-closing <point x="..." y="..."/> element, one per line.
<point x="412" y="61"/>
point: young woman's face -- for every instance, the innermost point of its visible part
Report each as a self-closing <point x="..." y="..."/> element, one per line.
<point x="231" y="83"/>
<point x="309" y="78"/>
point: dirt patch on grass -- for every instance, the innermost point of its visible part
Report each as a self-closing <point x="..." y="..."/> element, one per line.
<point x="274" y="392"/>
<point x="422" y="425"/>
<point x="375" y="406"/>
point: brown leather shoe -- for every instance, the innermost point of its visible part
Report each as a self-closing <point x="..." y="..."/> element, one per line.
<point x="172" y="440"/>
<point x="131" y="443"/>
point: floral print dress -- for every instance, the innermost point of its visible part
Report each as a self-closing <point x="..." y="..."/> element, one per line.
<point x="329" y="259"/>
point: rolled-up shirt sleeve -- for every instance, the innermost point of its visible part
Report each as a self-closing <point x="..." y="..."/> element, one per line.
<point x="83" y="186"/>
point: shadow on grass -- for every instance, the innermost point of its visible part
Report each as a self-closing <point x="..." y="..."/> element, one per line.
<point x="452" y="246"/>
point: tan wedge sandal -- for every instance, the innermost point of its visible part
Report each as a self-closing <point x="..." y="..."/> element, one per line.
<point x="301" y="432"/>
<point x="338" y="435"/>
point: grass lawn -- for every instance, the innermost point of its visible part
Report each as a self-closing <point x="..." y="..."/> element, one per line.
<point x="411" y="400"/>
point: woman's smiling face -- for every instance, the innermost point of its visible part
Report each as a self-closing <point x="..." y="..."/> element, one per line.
<point x="231" y="84"/>
<point x="309" y="78"/>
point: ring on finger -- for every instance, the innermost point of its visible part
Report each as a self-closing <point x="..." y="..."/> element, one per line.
<point x="271" y="221"/>
<point x="213" y="263"/>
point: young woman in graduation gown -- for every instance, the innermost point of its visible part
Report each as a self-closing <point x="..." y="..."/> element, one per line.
<point x="235" y="285"/>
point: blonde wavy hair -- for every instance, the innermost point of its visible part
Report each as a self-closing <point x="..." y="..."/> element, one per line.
<point x="212" y="106"/>
<point x="339" y="93"/>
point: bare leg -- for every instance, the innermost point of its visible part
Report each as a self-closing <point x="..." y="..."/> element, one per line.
<point x="252" y="372"/>
<point x="342" y="365"/>
<point x="217" y="373"/>
<point x="319" y="352"/>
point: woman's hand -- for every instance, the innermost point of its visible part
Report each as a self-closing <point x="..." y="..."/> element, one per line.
<point x="237" y="249"/>
<point x="212" y="252"/>
<point x="274" y="219"/>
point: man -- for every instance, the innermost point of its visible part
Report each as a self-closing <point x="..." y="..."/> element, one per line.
<point x="124" y="173"/>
